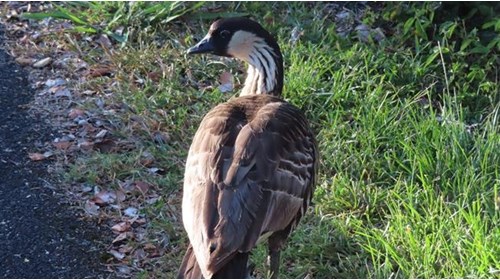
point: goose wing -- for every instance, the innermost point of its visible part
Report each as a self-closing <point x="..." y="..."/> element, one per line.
<point x="250" y="171"/>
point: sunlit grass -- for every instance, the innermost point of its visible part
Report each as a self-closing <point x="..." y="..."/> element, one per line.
<point x="410" y="170"/>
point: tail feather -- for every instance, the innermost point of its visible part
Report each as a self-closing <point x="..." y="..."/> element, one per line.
<point x="189" y="267"/>
<point x="236" y="268"/>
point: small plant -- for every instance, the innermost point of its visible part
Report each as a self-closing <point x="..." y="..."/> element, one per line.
<point x="116" y="19"/>
<point x="408" y="128"/>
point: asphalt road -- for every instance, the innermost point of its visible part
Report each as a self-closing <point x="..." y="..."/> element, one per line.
<point x="40" y="237"/>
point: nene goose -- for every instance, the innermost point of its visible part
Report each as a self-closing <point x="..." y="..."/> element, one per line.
<point x="251" y="168"/>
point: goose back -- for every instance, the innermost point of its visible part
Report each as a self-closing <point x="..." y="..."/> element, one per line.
<point x="250" y="172"/>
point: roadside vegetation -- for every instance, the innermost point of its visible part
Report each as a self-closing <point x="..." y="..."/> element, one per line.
<point x="404" y="98"/>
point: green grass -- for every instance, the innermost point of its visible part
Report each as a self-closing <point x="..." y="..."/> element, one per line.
<point x="408" y="131"/>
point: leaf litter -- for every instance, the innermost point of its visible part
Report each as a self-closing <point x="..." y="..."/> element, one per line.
<point x="62" y="77"/>
<point x="74" y="91"/>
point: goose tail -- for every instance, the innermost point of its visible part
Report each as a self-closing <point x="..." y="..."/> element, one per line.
<point x="236" y="268"/>
<point x="189" y="267"/>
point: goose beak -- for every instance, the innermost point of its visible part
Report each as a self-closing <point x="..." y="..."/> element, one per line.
<point x="204" y="46"/>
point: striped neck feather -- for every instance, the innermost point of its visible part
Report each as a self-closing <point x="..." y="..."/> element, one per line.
<point x="265" y="71"/>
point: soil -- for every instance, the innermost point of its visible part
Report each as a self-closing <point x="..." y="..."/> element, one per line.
<point x="41" y="236"/>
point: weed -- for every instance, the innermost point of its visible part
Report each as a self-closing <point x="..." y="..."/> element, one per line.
<point x="407" y="128"/>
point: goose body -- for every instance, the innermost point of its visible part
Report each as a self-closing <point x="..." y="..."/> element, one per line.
<point x="251" y="167"/>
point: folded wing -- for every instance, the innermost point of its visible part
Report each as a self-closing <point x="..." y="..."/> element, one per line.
<point x="250" y="171"/>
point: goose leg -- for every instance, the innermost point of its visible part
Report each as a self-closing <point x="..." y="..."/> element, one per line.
<point x="274" y="262"/>
<point x="275" y="243"/>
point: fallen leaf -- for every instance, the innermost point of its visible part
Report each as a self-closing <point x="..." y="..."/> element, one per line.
<point x="62" y="92"/>
<point x="86" y="145"/>
<point x="131" y="212"/>
<point x="226" y="82"/>
<point x="104" y="40"/>
<point x="101" y="133"/>
<point x="120" y="196"/>
<point x="91" y="208"/>
<point x="140" y="221"/>
<point x="155" y="170"/>
<point x="161" y="137"/>
<point x="42" y="62"/>
<point x="154" y="254"/>
<point x="122" y="236"/>
<point x="124" y="269"/>
<point x="147" y="159"/>
<point x="149" y="246"/>
<point x="121" y="227"/>
<point x="36" y="156"/>
<point x="139" y="254"/>
<point x="143" y="187"/>
<point x="104" y="197"/>
<point x="296" y="34"/>
<point x="54" y="82"/>
<point x="152" y="200"/>
<point x="105" y="146"/>
<point x="119" y="256"/>
<point x="39" y="156"/>
<point x="89" y="92"/>
<point x="24" y="61"/>
<point x="99" y="71"/>
<point x="154" y="76"/>
<point x="73" y="113"/>
<point x="48" y="154"/>
<point x="62" y="145"/>
<point x="126" y="249"/>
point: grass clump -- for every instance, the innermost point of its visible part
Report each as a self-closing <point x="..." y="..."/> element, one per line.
<point x="408" y="129"/>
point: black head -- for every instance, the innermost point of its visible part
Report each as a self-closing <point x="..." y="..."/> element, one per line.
<point x="233" y="37"/>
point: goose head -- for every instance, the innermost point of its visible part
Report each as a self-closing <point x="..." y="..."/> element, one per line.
<point x="247" y="40"/>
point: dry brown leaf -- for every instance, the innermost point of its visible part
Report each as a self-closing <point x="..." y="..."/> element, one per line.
<point x="86" y="145"/>
<point x="154" y="254"/>
<point x="24" y="61"/>
<point x="154" y="76"/>
<point x="121" y="227"/>
<point x="120" y="196"/>
<point x="99" y="71"/>
<point x="104" y="197"/>
<point x="126" y="249"/>
<point x="106" y="146"/>
<point x="149" y="247"/>
<point x="75" y="112"/>
<point x="62" y="145"/>
<point x="122" y="236"/>
<point x="147" y="161"/>
<point x="140" y="221"/>
<point x="36" y="156"/>
<point x="226" y="82"/>
<point x="143" y="187"/>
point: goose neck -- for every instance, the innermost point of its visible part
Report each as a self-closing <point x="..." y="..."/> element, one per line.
<point x="265" y="70"/>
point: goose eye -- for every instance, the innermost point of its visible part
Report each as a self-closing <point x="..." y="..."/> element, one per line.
<point x="224" y="34"/>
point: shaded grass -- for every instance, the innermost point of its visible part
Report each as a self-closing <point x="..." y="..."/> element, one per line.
<point x="409" y="181"/>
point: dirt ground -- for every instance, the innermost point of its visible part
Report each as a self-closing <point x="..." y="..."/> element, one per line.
<point x="40" y="235"/>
